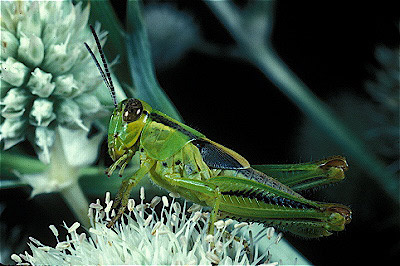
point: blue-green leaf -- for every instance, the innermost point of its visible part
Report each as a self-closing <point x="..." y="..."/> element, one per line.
<point x="141" y="66"/>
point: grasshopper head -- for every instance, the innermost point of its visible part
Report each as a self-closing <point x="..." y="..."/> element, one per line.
<point x="129" y="116"/>
<point x="126" y="125"/>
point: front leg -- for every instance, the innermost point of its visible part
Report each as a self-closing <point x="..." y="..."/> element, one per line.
<point x="127" y="184"/>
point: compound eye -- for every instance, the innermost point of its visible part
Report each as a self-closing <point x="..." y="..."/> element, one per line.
<point x="133" y="110"/>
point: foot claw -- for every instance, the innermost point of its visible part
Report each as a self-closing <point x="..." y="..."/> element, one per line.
<point x="107" y="173"/>
<point x="110" y="224"/>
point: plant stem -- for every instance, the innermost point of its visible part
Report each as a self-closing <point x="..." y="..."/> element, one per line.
<point x="23" y="164"/>
<point x="261" y="54"/>
<point x="141" y="64"/>
<point x="77" y="202"/>
<point x="67" y="176"/>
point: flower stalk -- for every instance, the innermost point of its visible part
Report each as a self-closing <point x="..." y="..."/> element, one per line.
<point x="66" y="177"/>
<point x="76" y="201"/>
<point x="258" y="49"/>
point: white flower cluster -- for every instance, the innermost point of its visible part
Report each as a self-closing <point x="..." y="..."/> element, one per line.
<point x="383" y="131"/>
<point x="173" y="237"/>
<point x="47" y="76"/>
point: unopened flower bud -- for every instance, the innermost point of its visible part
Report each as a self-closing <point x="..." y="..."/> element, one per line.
<point x="14" y="102"/>
<point x="88" y="103"/>
<point x="13" y="72"/>
<point x="12" y="129"/>
<point x="68" y="114"/>
<point x="9" y="45"/>
<point x="58" y="59"/>
<point x="31" y="50"/>
<point x="40" y="83"/>
<point x="44" y="139"/>
<point x="45" y="74"/>
<point x="66" y="86"/>
<point x="41" y="113"/>
<point x="30" y="23"/>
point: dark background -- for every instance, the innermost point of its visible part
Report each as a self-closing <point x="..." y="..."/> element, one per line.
<point x="329" y="45"/>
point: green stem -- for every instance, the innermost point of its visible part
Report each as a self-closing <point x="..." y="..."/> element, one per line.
<point x="23" y="164"/>
<point x="77" y="202"/>
<point x="141" y="64"/>
<point x="261" y="54"/>
<point x="64" y="173"/>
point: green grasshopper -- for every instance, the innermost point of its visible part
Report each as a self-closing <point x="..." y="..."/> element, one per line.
<point x="183" y="160"/>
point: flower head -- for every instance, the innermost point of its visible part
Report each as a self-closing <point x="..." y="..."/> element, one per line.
<point x="47" y="75"/>
<point x="176" y="236"/>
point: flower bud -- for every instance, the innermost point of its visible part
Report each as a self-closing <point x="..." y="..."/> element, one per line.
<point x="40" y="83"/>
<point x="66" y="86"/>
<point x="9" y="45"/>
<point x="14" y="101"/>
<point x="58" y="59"/>
<point x="44" y="139"/>
<point x="13" y="72"/>
<point x="31" y="50"/>
<point x="41" y="42"/>
<point x="41" y="113"/>
<point x="68" y="114"/>
<point x="88" y="103"/>
<point x="11" y="130"/>
<point x="30" y="23"/>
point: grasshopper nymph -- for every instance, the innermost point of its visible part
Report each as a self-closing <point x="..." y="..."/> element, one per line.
<point x="182" y="160"/>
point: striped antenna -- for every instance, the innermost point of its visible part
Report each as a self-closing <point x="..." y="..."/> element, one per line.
<point x="106" y="73"/>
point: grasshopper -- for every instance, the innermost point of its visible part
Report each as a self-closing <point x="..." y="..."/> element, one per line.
<point x="183" y="160"/>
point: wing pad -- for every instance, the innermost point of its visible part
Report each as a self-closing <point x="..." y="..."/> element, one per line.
<point x="218" y="156"/>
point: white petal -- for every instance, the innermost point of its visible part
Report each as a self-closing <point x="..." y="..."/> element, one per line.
<point x="88" y="104"/>
<point x="58" y="59"/>
<point x="8" y="143"/>
<point x="79" y="150"/>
